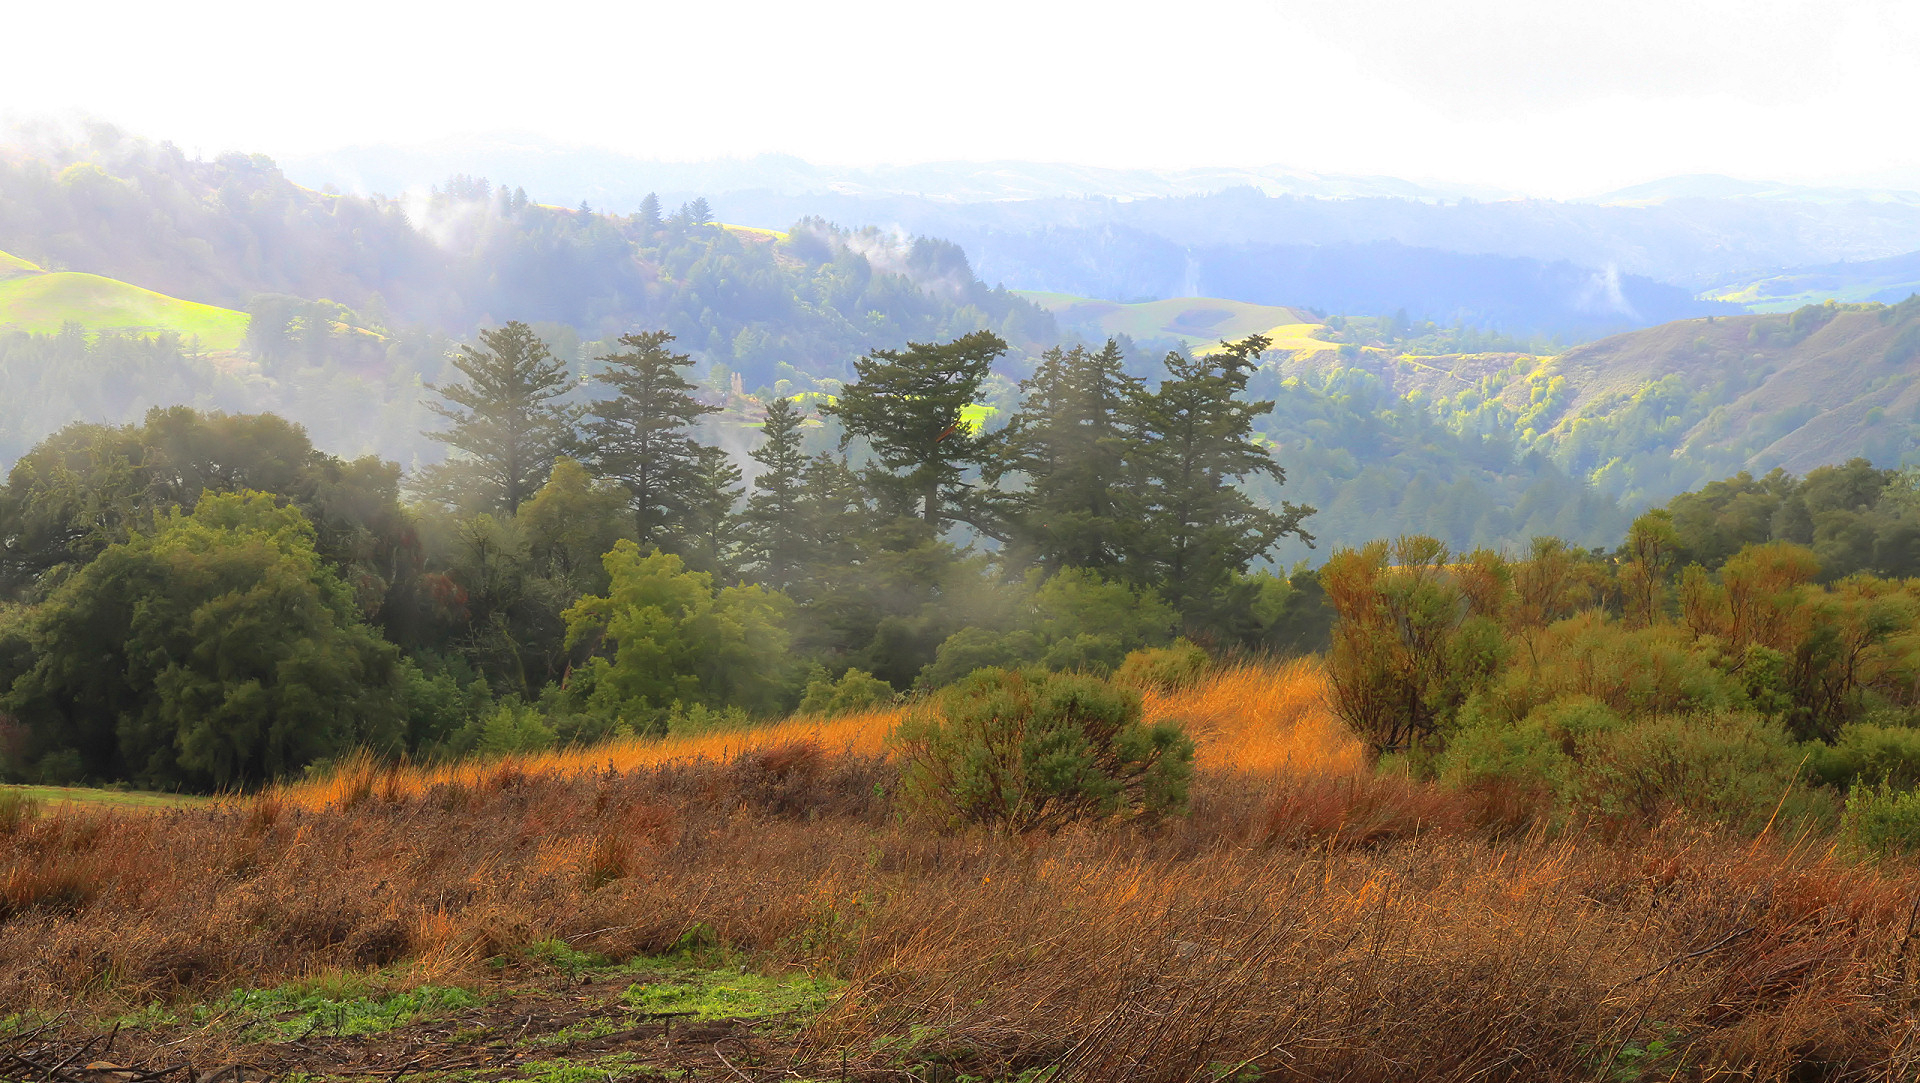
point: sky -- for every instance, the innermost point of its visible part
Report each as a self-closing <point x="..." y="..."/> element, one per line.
<point x="1547" y="97"/>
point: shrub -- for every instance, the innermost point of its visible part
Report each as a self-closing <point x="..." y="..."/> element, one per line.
<point x="855" y="691"/>
<point x="1415" y="638"/>
<point x="1164" y="669"/>
<point x="1026" y="750"/>
<point x="511" y="726"/>
<point x="1870" y="754"/>
<point x="1881" y="820"/>
<point x="1734" y="768"/>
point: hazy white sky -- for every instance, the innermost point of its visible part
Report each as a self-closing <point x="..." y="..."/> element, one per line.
<point x="1556" y="97"/>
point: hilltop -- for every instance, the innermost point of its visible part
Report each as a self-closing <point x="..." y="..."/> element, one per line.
<point x="44" y="302"/>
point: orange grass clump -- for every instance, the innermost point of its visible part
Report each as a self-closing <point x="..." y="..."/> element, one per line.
<point x="1263" y="719"/>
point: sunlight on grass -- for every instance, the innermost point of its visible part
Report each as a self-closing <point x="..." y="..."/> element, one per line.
<point x="1256" y="718"/>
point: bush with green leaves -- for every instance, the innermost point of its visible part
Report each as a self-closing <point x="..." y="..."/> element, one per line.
<point x="856" y="690"/>
<point x="1881" y="820"/>
<point x="1029" y="750"/>
<point x="1871" y="754"/>
<point x="218" y="650"/>
<point x="1072" y="620"/>
<point x="1164" y="669"/>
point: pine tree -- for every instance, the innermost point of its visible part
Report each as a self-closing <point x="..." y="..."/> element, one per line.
<point x="639" y="437"/>
<point x="772" y="517"/>
<point x="1200" y="529"/>
<point x="1071" y="442"/>
<point x="648" y="216"/>
<point x="508" y="426"/>
<point x="707" y="537"/>
<point x="907" y="404"/>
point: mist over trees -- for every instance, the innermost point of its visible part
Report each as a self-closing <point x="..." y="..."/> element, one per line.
<point x="580" y="570"/>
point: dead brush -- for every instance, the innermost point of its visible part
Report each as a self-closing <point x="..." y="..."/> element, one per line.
<point x="1300" y="923"/>
<point x="1360" y="810"/>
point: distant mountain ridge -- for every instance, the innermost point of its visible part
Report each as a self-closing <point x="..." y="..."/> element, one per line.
<point x="618" y="182"/>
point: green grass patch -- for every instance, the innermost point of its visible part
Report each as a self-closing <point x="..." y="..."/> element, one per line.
<point x="567" y="1070"/>
<point x="341" y="1007"/>
<point x="54" y="796"/>
<point x="42" y="303"/>
<point x="710" y="994"/>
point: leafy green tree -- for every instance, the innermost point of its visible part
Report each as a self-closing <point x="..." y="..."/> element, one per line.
<point x="663" y="636"/>
<point x="507" y="425"/>
<point x="569" y="524"/>
<point x="639" y="437"/>
<point x="1197" y="442"/>
<point x="1073" y="620"/>
<point x="907" y="404"/>
<point x="1071" y="445"/>
<point x="218" y="651"/>
<point x="89" y="486"/>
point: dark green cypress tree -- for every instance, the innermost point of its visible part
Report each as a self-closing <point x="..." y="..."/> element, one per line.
<point x="907" y="405"/>
<point x="1071" y="443"/>
<point x="771" y="521"/>
<point x="640" y="437"/>
<point x="1196" y="442"/>
<point x="647" y="218"/>
<point x="707" y="536"/>
<point x="508" y="426"/>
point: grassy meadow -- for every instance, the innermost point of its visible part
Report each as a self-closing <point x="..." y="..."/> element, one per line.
<point x="751" y="903"/>
<point x="42" y="302"/>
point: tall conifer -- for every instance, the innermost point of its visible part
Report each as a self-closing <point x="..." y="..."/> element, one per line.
<point x="639" y="437"/>
<point x="908" y="405"/>
<point x="1071" y="440"/>
<point x="507" y="427"/>
<point x="1196" y="443"/>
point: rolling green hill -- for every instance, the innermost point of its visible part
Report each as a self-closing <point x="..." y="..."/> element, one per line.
<point x="42" y="302"/>
<point x="1890" y="280"/>
<point x="1194" y="321"/>
<point x="1655" y="412"/>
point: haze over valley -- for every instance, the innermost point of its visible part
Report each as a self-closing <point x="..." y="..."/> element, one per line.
<point x="1253" y="541"/>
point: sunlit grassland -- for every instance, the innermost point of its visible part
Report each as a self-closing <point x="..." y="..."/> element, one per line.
<point x="1195" y="321"/>
<point x="1256" y="718"/>
<point x="43" y="302"/>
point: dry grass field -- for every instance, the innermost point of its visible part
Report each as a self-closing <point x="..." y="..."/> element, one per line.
<point x="1306" y="920"/>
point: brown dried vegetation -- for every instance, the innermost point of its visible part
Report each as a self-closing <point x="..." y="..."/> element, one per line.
<point x="1305" y="924"/>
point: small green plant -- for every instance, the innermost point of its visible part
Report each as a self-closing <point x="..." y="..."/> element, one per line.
<point x="17" y="810"/>
<point x="1880" y="819"/>
<point x="1164" y="669"/>
<point x="855" y="691"/>
<point x="1635" y="1061"/>
<point x="713" y="994"/>
<point x="561" y="955"/>
<point x="341" y="1007"/>
<point x="1026" y="750"/>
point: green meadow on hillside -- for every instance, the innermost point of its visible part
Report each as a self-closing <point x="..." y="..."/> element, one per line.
<point x="1194" y="321"/>
<point x="42" y="302"/>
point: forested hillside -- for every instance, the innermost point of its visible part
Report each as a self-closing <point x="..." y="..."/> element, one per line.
<point x="352" y="306"/>
<point x="354" y="302"/>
